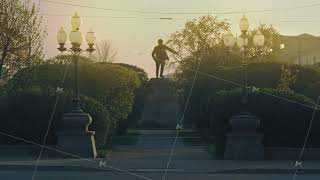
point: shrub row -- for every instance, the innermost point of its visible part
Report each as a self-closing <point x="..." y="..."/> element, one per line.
<point x="262" y="75"/>
<point x="107" y="93"/>
<point x="27" y="115"/>
<point x="283" y="123"/>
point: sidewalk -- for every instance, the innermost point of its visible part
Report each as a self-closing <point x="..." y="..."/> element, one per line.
<point x="149" y="165"/>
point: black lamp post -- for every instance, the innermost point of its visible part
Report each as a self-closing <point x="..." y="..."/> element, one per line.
<point x="243" y="142"/>
<point x="242" y="43"/>
<point x="75" y="137"/>
<point x="75" y="37"/>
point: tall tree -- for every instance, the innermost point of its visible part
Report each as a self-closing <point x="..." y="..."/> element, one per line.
<point x="271" y="47"/>
<point x="199" y="37"/>
<point x="105" y="52"/>
<point x="21" y="36"/>
<point x="202" y="38"/>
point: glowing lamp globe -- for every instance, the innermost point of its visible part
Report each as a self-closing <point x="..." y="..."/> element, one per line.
<point x="229" y="40"/>
<point x="258" y="39"/>
<point x="91" y="38"/>
<point x="75" y="37"/>
<point x="244" y="24"/>
<point x="242" y="42"/>
<point x="76" y="21"/>
<point x="62" y="36"/>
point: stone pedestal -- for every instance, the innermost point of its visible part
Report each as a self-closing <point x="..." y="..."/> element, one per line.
<point x="161" y="108"/>
<point x="243" y="142"/>
<point x="74" y="138"/>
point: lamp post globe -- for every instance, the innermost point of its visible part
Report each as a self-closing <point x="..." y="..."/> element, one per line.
<point x="244" y="24"/>
<point x="62" y="38"/>
<point x="229" y="40"/>
<point x="258" y="39"/>
<point x="242" y="42"/>
<point x="75" y="37"/>
<point x="76" y="40"/>
<point x="76" y="21"/>
<point x="91" y="37"/>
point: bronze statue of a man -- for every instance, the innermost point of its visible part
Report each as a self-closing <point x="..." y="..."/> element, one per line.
<point x="160" y="56"/>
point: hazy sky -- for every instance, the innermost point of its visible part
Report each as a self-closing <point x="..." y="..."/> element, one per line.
<point x="134" y="38"/>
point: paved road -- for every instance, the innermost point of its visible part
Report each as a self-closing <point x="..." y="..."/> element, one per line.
<point x="147" y="156"/>
<point x="27" y="175"/>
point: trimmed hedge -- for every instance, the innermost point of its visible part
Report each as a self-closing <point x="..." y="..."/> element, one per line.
<point x="28" y="114"/>
<point x="138" y="105"/>
<point x="107" y="94"/>
<point x="262" y="75"/>
<point x="283" y="123"/>
<point x="112" y="85"/>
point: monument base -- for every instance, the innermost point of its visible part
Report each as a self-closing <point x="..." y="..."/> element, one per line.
<point x="75" y="137"/>
<point x="82" y="145"/>
<point x="161" y="107"/>
<point x="244" y="146"/>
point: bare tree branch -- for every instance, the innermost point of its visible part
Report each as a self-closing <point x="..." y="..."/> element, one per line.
<point x="105" y="52"/>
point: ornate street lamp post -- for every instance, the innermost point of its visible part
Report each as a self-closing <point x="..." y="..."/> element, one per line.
<point x="75" y="37"/>
<point x="75" y="137"/>
<point x="242" y="43"/>
<point x="244" y="143"/>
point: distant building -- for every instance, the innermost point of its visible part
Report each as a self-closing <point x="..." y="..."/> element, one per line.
<point x="303" y="49"/>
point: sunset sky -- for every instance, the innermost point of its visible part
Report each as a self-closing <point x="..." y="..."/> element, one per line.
<point x="135" y="36"/>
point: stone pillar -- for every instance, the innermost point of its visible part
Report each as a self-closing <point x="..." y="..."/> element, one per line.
<point x="74" y="138"/>
<point x="243" y="142"/>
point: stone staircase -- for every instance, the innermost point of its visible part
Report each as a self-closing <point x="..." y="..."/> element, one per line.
<point x="157" y="144"/>
<point x="156" y="133"/>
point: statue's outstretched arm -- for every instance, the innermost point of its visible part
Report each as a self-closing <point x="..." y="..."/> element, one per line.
<point x="171" y="50"/>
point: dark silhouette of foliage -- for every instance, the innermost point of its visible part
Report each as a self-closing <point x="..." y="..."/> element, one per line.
<point x="27" y="115"/>
<point x="260" y="75"/>
<point x="21" y="36"/>
<point x="283" y="123"/>
<point x="111" y="85"/>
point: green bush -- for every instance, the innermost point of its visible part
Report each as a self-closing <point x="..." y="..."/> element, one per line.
<point x="143" y="76"/>
<point x="262" y="75"/>
<point x="312" y="90"/>
<point x="112" y="85"/>
<point x="283" y="123"/>
<point x="27" y="115"/>
<point x="140" y="93"/>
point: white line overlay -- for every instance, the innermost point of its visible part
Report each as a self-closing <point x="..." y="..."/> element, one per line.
<point x="75" y="156"/>
<point x="181" y="120"/>
<point x="50" y="122"/>
<point x="305" y="141"/>
<point x="197" y="72"/>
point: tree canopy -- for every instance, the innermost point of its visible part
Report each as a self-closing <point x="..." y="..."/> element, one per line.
<point x="21" y="36"/>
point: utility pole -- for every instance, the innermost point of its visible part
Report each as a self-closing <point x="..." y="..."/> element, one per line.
<point x="299" y="50"/>
<point x="299" y="57"/>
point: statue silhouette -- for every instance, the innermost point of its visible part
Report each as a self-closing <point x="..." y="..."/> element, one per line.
<point x="160" y="56"/>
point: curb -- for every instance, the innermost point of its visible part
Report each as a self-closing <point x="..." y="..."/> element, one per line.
<point x="179" y="171"/>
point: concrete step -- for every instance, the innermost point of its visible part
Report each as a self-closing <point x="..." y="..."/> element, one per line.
<point x="157" y="148"/>
<point x="159" y="138"/>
